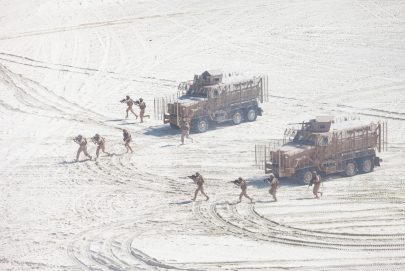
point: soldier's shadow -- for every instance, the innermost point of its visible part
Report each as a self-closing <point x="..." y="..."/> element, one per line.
<point x="73" y="162"/>
<point x="115" y="120"/>
<point x="181" y="202"/>
<point x="265" y="201"/>
<point x="306" y="198"/>
<point x="168" y="145"/>
<point x="127" y="123"/>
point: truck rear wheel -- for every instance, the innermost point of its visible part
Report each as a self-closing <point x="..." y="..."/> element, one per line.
<point x="201" y="125"/>
<point x="350" y="169"/>
<point x="251" y="114"/>
<point x="237" y="117"/>
<point x="367" y="166"/>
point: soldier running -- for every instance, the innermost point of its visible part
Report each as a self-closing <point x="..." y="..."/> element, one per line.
<point x="82" y="146"/>
<point x="100" y="142"/>
<point x="142" y="106"/>
<point x="199" y="180"/>
<point x="316" y="181"/>
<point x="129" y="103"/>
<point x="243" y="186"/>
<point x="185" y="131"/>
<point x="127" y="139"/>
<point x="273" y="186"/>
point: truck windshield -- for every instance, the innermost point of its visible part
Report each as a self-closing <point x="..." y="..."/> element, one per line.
<point x="304" y="139"/>
<point x="198" y="93"/>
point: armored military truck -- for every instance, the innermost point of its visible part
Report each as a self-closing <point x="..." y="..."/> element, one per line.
<point x="347" y="150"/>
<point x="211" y="98"/>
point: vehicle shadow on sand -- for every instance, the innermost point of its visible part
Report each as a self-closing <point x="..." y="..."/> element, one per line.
<point x="181" y="202"/>
<point x="115" y="120"/>
<point x="127" y="123"/>
<point x="166" y="130"/>
<point x="161" y="131"/>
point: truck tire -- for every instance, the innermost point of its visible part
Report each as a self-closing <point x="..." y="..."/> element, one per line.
<point x="251" y="114"/>
<point x="305" y="176"/>
<point x="201" y="125"/>
<point x="237" y="117"/>
<point x="350" y="169"/>
<point x="367" y="165"/>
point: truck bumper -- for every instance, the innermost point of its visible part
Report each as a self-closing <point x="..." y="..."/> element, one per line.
<point x="377" y="161"/>
<point x="167" y="118"/>
<point x="268" y="168"/>
<point x="286" y="172"/>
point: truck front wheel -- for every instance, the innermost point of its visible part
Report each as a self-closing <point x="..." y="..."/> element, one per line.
<point x="251" y="114"/>
<point x="350" y="169"/>
<point x="367" y="166"/>
<point x="237" y="117"/>
<point x="201" y="125"/>
<point x="305" y="176"/>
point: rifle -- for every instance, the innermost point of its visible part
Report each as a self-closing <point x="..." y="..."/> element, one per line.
<point x="94" y="140"/>
<point x="193" y="177"/>
<point x="236" y="182"/>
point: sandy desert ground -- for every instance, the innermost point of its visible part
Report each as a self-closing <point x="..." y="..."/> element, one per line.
<point x="64" y="66"/>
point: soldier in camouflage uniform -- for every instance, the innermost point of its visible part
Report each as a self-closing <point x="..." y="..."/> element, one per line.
<point x="185" y="130"/>
<point x="142" y="107"/>
<point x="199" y="180"/>
<point x="129" y="103"/>
<point x="316" y="181"/>
<point x="273" y="186"/>
<point x="127" y="140"/>
<point x="100" y="142"/>
<point x="243" y="187"/>
<point x="81" y="140"/>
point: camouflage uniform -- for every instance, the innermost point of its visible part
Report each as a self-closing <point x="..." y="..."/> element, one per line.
<point x="100" y="142"/>
<point x="273" y="189"/>
<point x="82" y="147"/>
<point x="199" y="180"/>
<point x="127" y="139"/>
<point x="317" y="184"/>
<point x="185" y="131"/>
<point x="130" y="103"/>
<point x="243" y="187"/>
<point x="142" y="107"/>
